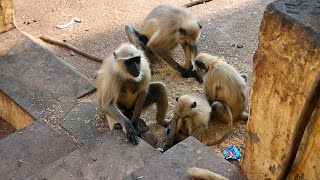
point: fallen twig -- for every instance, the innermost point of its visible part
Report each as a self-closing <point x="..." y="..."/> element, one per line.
<point x="195" y="3"/>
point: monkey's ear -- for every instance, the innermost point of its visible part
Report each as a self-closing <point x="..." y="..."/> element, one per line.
<point x="183" y="31"/>
<point x="177" y="98"/>
<point x="193" y="105"/>
<point x="114" y="55"/>
<point x="200" y="26"/>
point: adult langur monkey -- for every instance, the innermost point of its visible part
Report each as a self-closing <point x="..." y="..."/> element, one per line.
<point x="163" y="30"/>
<point x="224" y="83"/>
<point x="124" y="90"/>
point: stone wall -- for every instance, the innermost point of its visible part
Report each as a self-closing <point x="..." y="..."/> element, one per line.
<point x="285" y="66"/>
<point x="11" y="112"/>
<point x="6" y="15"/>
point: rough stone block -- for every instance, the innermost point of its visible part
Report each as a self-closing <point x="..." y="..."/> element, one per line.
<point x="285" y="64"/>
<point x="173" y="164"/>
<point x="30" y="150"/>
<point x="114" y="158"/>
<point x="6" y="15"/>
<point x="13" y="113"/>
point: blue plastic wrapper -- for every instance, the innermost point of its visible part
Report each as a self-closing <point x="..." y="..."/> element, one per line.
<point x="231" y="152"/>
<point x="72" y="53"/>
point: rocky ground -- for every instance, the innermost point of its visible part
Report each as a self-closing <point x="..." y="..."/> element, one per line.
<point x="230" y="30"/>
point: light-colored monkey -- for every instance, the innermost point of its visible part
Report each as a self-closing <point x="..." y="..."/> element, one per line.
<point x="124" y="90"/>
<point x="204" y="174"/>
<point x="223" y="82"/>
<point x="163" y="30"/>
<point x="192" y="116"/>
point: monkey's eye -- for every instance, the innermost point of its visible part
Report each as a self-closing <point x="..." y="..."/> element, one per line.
<point x="183" y="31"/>
<point x="193" y="105"/>
<point x="136" y="59"/>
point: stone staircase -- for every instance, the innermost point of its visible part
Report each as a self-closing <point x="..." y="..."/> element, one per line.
<point x="70" y="146"/>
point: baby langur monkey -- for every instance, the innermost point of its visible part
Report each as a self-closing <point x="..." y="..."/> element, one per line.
<point x="223" y="82"/>
<point x="192" y="116"/>
<point x="124" y="90"/>
<point x="163" y="30"/>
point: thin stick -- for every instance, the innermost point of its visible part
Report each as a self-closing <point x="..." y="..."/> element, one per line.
<point x="305" y="116"/>
<point x="195" y="3"/>
<point x="69" y="46"/>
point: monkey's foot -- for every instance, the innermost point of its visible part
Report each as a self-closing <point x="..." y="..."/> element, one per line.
<point x="244" y="116"/>
<point x="140" y="126"/>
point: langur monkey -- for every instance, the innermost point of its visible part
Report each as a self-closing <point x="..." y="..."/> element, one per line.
<point x="204" y="174"/>
<point x="192" y="116"/>
<point x="163" y="30"/>
<point x="223" y="82"/>
<point x="124" y="90"/>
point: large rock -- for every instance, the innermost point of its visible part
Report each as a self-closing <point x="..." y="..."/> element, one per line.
<point x="6" y="15"/>
<point x="285" y="67"/>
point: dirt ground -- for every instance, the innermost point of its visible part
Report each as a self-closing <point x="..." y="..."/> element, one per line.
<point x="230" y="30"/>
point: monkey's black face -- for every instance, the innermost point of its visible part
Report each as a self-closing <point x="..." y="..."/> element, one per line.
<point x="201" y="65"/>
<point x="133" y="66"/>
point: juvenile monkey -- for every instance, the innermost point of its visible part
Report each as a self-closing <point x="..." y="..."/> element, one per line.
<point x="223" y="82"/>
<point x="124" y="90"/>
<point x="163" y="30"/>
<point x="192" y="116"/>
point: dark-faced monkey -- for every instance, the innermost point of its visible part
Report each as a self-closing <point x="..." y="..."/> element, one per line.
<point x="223" y="82"/>
<point x="192" y="117"/>
<point x="124" y="90"/>
<point x="163" y="30"/>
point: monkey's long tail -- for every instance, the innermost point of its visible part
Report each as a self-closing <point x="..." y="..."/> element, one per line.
<point x="227" y="115"/>
<point x="69" y="46"/>
<point x="205" y="174"/>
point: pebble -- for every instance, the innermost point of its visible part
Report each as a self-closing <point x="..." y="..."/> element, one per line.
<point x="239" y="46"/>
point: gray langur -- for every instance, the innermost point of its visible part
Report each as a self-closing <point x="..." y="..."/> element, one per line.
<point x="124" y="90"/>
<point x="164" y="28"/>
<point x="223" y="82"/>
<point x="192" y="117"/>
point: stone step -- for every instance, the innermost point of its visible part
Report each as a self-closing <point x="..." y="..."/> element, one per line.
<point x="173" y="164"/>
<point x="37" y="80"/>
<point x="80" y="122"/>
<point x="31" y="149"/>
<point x="113" y="158"/>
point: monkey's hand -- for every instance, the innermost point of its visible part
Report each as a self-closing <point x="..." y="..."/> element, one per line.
<point x="197" y="76"/>
<point x="132" y="134"/>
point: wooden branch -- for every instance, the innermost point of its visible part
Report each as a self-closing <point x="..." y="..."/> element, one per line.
<point x="69" y="46"/>
<point x="305" y="116"/>
<point x="195" y="3"/>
